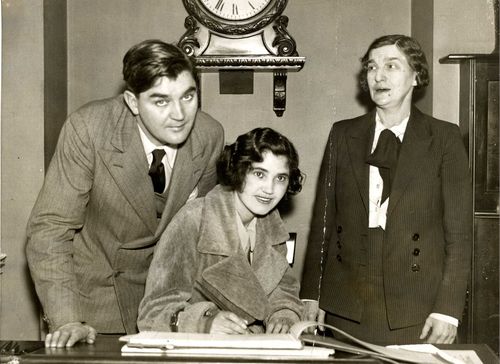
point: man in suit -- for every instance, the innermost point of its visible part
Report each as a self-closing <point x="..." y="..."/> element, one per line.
<point x="121" y="170"/>
<point x="389" y="250"/>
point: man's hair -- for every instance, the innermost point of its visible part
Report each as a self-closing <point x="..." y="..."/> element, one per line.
<point x="236" y="159"/>
<point x="145" y="62"/>
<point x="412" y="51"/>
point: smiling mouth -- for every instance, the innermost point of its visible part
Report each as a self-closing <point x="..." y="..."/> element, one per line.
<point x="264" y="200"/>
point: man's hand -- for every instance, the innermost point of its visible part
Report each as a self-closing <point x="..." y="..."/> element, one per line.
<point x="226" y="322"/>
<point x="69" y="334"/>
<point x="438" y="332"/>
<point x="312" y="312"/>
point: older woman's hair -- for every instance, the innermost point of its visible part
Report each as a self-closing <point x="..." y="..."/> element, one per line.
<point x="236" y="159"/>
<point x="412" y="51"/>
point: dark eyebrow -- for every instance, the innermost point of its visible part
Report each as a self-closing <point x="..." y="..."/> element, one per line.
<point x="394" y="59"/>
<point x="265" y="170"/>
<point x="386" y="60"/>
<point x="160" y="95"/>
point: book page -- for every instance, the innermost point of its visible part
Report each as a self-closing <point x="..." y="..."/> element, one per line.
<point x="464" y="356"/>
<point x="170" y="340"/>
<point x="307" y="352"/>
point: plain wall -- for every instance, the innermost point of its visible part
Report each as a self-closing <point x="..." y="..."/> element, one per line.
<point x="331" y="34"/>
<point x="22" y="159"/>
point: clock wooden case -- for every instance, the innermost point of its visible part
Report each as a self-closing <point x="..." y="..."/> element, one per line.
<point x="242" y="35"/>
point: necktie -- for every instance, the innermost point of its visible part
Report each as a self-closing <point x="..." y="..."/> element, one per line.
<point x="250" y="254"/>
<point x="157" y="171"/>
<point x="385" y="157"/>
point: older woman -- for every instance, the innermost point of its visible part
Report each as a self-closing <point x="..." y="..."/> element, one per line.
<point x="389" y="250"/>
<point x="220" y="266"/>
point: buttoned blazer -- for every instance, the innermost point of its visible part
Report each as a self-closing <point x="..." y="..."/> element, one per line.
<point x="427" y="247"/>
<point x="203" y="237"/>
<point x="92" y="231"/>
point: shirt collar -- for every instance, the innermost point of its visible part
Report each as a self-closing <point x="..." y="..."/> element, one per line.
<point x="170" y="152"/>
<point x="398" y="130"/>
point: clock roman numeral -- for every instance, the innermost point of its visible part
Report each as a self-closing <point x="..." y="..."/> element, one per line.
<point x="235" y="9"/>
<point x="251" y="5"/>
<point x="219" y="5"/>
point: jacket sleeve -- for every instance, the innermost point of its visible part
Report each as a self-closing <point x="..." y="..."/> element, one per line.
<point x="58" y="213"/>
<point x="171" y="279"/>
<point x="321" y="231"/>
<point x="457" y="217"/>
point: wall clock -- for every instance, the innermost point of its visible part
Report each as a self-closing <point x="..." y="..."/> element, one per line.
<point x="233" y="17"/>
<point x="236" y="9"/>
<point x="242" y="35"/>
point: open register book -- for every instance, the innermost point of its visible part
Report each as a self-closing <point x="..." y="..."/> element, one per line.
<point x="297" y="345"/>
<point x="221" y="345"/>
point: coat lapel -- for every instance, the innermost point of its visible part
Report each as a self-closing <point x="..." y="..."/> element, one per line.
<point x="359" y="140"/>
<point x="186" y="173"/>
<point x="219" y="236"/>
<point x="416" y="143"/>
<point x="127" y="163"/>
<point x="269" y="265"/>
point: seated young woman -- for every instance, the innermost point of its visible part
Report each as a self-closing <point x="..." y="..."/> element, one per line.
<point x="220" y="266"/>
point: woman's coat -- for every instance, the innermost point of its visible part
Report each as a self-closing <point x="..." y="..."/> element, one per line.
<point x="202" y="244"/>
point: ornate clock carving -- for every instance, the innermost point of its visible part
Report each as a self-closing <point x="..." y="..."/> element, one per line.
<point x="242" y="34"/>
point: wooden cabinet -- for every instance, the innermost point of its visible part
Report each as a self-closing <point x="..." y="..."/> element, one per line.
<point x="479" y="119"/>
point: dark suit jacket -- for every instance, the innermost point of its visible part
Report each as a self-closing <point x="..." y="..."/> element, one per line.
<point x="92" y="231"/>
<point x="429" y="210"/>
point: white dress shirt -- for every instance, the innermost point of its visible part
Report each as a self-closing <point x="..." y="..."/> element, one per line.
<point x="377" y="211"/>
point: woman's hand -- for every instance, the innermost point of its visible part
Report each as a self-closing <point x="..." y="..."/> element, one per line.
<point x="312" y="312"/>
<point x="226" y="322"/>
<point x="281" y="321"/>
<point x="279" y="325"/>
<point x="438" y="332"/>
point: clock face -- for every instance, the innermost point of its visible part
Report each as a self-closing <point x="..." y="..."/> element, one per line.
<point x="235" y="9"/>
<point x="235" y="17"/>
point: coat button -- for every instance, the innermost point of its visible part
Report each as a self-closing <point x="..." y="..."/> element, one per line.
<point x="339" y="258"/>
<point x="415" y="267"/>
<point x="415" y="237"/>
<point x="338" y="245"/>
<point x="416" y="252"/>
<point x="339" y="229"/>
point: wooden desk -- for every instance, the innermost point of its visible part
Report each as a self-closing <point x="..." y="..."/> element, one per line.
<point x="107" y="349"/>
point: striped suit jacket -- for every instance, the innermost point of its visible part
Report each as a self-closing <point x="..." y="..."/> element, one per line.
<point x="93" y="229"/>
<point x="429" y="210"/>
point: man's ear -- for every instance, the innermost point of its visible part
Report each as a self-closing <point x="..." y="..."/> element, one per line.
<point x="131" y="101"/>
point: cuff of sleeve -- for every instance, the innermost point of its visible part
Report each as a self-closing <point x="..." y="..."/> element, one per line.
<point x="449" y="319"/>
<point x="196" y="317"/>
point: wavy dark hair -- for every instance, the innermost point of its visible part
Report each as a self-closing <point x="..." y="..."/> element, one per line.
<point x="145" y="62"/>
<point x="237" y="158"/>
<point x="412" y="51"/>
